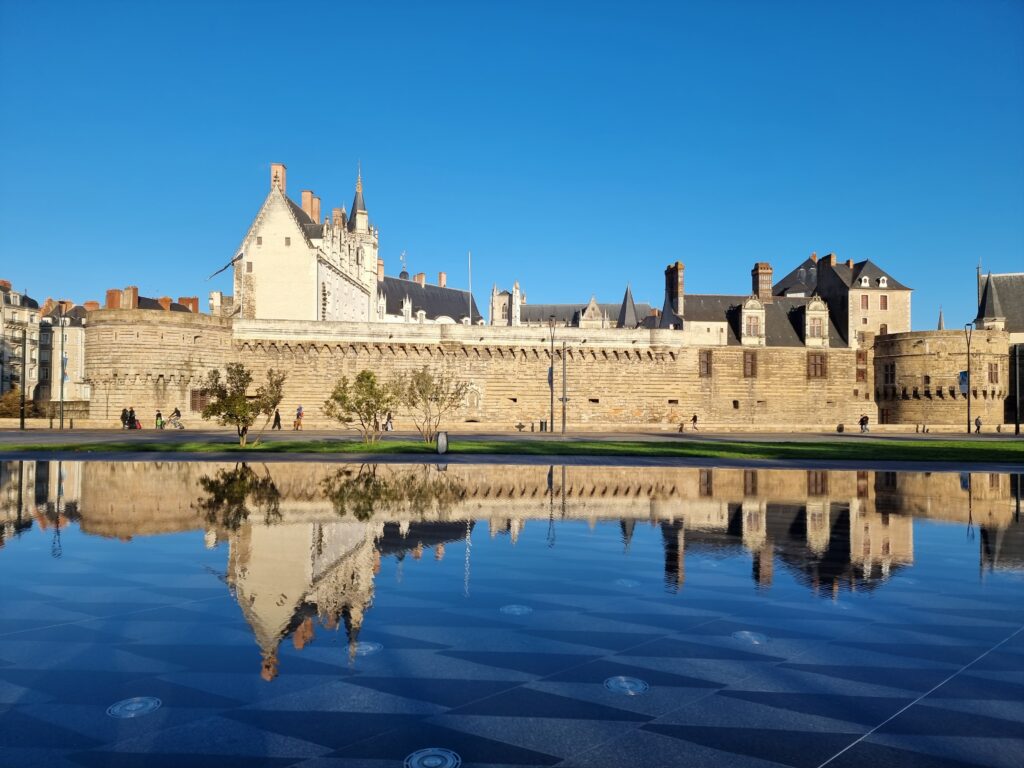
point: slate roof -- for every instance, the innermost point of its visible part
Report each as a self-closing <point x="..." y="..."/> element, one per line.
<point x="804" y="279"/>
<point x="434" y="300"/>
<point x="783" y="318"/>
<point x="26" y="301"/>
<point x="1003" y="296"/>
<point x="148" y="303"/>
<point x="569" y="314"/>
<point x="309" y="227"/>
<point x="627" y="312"/>
<point x="74" y="316"/>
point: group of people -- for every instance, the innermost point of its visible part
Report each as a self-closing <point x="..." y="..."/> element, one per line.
<point x="296" y="425"/>
<point x="130" y="421"/>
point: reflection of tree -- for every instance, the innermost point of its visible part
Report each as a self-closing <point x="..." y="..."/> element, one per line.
<point x="234" y="493"/>
<point x="367" y="491"/>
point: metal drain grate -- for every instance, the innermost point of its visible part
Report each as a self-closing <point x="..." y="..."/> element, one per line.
<point x="433" y="757"/>
<point x="631" y="686"/>
<point x="135" y="707"/>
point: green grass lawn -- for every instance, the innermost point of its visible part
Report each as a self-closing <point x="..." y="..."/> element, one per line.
<point x="1008" y="451"/>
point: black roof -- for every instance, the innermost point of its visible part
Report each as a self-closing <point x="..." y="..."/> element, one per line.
<point x="783" y="318"/>
<point x="627" y="312"/>
<point x="147" y="303"/>
<point x="804" y="279"/>
<point x="26" y="301"/>
<point x="432" y="299"/>
<point x="569" y="314"/>
<point x="309" y="227"/>
<point x="1003" y="296"/>
<point x="74" y="316"/>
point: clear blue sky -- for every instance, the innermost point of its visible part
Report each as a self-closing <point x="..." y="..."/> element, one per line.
<point x="575" y="147"/>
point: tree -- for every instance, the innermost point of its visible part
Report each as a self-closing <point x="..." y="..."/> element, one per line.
<point x="230" y="405"/>
<point x="431" y="397"/>
<point x="363" y="404"/>
<point x="233" y="494"/>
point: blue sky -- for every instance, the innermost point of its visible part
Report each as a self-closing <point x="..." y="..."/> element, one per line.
<point x="574" y="147"/>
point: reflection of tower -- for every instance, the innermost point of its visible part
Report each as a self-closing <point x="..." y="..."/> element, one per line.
<point x="755" y="524"/>
<point x="763" y="569"/>
<point x="818" y="526"/>
<point x="673" y="536"/>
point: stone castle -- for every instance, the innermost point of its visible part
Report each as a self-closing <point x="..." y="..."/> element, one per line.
<point x="827" y="343"/>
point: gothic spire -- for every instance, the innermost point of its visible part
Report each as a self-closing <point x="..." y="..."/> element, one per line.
<point x="357" y="203"/>
<point x="942" y="323"/>
<point x="627" y="312"/>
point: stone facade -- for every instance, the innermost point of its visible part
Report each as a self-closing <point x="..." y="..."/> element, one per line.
<point x="917" y="377"/>
<point x="19" y="320"/>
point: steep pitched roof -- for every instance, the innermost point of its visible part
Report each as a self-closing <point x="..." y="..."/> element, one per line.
<point x="992" y="305"/>
<point x="569" y="314"/>
<point x="309" y="227"/>
<point x="357" y="202"/>
<point x="627" y="312"/>
<point x="803" y="279"/>
<point x="1011" y="299"/>
<point x="783" y="318"/>
<point x="668" y="317"/>
<point x="434" y="300"/>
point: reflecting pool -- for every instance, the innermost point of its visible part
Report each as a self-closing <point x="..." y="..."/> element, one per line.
<point x="328" y="615"/>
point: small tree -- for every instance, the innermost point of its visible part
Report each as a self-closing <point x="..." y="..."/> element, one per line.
<point x="230" y="405"/>
<point x="431" y="397"/>
<point x="363" y="404"/>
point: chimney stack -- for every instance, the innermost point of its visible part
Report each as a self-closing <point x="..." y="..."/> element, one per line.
<point x="130" y="297"/>
<point x="849" y="263"/>
<point x="814" y="258"/>
<point x="279" y="177"/>
<point x="380" y="270"/>
<point x="830" y="259"/>
<point x="113" y="300"/>
<point x="442" y="279"/>
<point x="5" y="285"/>
<point x="336" y="218"/>
<point x="192" y="302"/>
<point x="420" y="278"/>
<point x="165" y="302"/>
<point x="761" y="281"/>
<point x="91" y="306"/>
<point x="674" y="286"/>
<point x="307" y="203"/>
<point x="315" y="215"/>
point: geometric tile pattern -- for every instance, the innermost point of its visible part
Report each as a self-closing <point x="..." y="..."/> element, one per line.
<point x="925" y="670"/>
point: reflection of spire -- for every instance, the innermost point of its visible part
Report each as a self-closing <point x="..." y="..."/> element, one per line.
<point x="673" y="537"/>
<point x="626" y="526"/>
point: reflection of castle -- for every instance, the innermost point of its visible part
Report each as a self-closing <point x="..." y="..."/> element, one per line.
<point x="833" y="530"/>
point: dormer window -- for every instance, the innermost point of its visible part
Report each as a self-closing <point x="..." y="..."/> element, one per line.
<point x="883" y="282"/>
<point x="865" y="282"/>
<point x="753" y="326"/>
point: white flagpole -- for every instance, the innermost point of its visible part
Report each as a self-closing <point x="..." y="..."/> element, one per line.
<point x="470" y="256"/>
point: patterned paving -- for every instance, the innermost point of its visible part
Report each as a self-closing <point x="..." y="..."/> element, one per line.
<point x="925" y="670"/>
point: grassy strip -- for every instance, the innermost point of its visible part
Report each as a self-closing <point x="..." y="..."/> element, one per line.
<point x="854" y="450"/>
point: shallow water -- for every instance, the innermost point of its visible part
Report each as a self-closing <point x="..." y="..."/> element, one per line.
<point x="201" y="614"/>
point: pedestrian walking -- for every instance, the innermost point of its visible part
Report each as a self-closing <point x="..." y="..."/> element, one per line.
<point x="977" y="425"/>
<point x="863" y="422"/>
<point x="693" y="422"/>
<point x="277" y="420"/>
<point x="159" y="420"/>
<point x="133" y="422"/>
<point x="389" y="425"/>
<point x="124" y="418"/>
<point x="297" y="426"/>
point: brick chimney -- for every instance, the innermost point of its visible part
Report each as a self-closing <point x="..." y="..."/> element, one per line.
<point x="380" y="270"/>
<point x="761" y="281"/>
<point x="420" y="278"/>
<point x="279" y="177"/>
<point x="165" y="302"/>
<point x="113" y="300"/>
<point x="442" y="279"/>
<point x="849" y="263"/>
<point x="5" y="285"/>
<point x="130" y="297"/>
<point x="830" y="259"/>
<point x="336" y="218"/>
<point x="307" y="202"/>
<point x="47" y="307"/>
<point x="814" y="258"/>
<point x="674" y="287"/>
<point x="315" y="215"/>
<point x="192" y="302"/>
<point x="91" y="306"/>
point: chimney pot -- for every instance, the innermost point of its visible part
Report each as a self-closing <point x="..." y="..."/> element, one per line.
<point x="420" y="278"/>
<point x="442" y="279"/>
<point x="279" y="177"/>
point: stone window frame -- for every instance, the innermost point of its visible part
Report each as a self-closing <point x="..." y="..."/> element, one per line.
<point x="993" y="373"/>
<point x="865" y="301"/>
<point x="883" y="302"/>
<point x="749" y="364"/>
<point x="817" y="365"/>
<point x="704" y="366"/>
<point x="816" y="327"/>
<point x="752" y="326"/>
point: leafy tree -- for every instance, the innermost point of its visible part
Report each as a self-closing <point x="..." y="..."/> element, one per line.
<point x="431" y="397"/>
<point x="10" y="405"/>
<point x="364" y="404"/>
<point x="230" y="405"/>
<point x="371" y="490"/>
<point x="234" y="493"/>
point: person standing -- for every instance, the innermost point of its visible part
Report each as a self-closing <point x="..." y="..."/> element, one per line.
<point x="159" y="420"/>
<point x="298" y="418"/>
<point x="124" y="418"/>
<point x="133" y="422"/>
<point x="277" y="420"/>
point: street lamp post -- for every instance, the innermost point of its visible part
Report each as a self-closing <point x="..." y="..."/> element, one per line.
<point x="62" y="335"/>
<point x="24" y="372"/>
<point x="564" y="398"/>
<point x="551" y="372"/>
<point x="968" y="330"/>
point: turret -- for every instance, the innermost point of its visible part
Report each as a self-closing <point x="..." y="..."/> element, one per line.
<point x="359" y="219"/>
